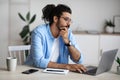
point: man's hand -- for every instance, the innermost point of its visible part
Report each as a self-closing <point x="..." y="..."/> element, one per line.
<point x="64" y="34"/>
<point x="72" y="67"/>
<point x="75" y="54"/>
<point x="76" y="68"/>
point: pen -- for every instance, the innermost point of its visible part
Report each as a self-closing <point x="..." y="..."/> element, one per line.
<point x="55" y="70"/>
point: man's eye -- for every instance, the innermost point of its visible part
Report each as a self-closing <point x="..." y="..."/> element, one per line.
<point x="67" y="19"/>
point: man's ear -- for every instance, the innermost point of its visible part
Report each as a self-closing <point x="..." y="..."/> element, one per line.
<point x="55" y="18"/>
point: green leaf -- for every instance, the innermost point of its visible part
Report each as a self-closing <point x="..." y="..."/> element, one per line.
<point x="30" y="33"/>
<point x="21" y="17"/>
<point x="26" y="38"/>
<point x="32" y="19"/>
<point x="24" y="31"/>
<point x="28" y="16"/>
<point x="118" y="60"/>
<point x="26" y="53"/>
<point x="25" y="34"/>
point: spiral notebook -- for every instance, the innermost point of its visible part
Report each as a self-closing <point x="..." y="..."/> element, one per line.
<point x="55" y="71"/>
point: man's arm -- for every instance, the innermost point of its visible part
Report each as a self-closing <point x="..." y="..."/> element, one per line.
<point x="72" y="67"/>
<point x="75" y="54"/>
<point x="73" y="51"/>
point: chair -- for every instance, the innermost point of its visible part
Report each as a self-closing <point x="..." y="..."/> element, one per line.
<point x="20" y="51"/>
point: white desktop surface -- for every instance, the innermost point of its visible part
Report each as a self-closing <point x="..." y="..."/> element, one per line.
<point x="17" y="75"/>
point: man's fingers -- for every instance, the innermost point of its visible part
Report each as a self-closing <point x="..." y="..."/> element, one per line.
<point x="83" y="69"/>
<point x="79" y="71"/>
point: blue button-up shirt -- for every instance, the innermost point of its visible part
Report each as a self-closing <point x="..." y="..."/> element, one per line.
<point x="41" y="47"/>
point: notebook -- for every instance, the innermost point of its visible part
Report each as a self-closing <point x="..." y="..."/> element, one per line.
<point x="105" y="63"/>
<point x="55" y="71"/>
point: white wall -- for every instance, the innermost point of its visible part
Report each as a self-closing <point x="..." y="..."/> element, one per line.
<point x="3" y="31"/>
<point x="16" y="24"/>
<point x="87" y="14"/>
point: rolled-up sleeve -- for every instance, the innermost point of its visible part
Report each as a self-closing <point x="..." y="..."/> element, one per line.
<point x="81" y="58"/>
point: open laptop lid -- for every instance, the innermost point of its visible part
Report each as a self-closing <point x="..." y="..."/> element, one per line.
<point x="106" y="61"/>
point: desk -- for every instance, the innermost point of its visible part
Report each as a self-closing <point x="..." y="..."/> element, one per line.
<point x="17" y="75"/>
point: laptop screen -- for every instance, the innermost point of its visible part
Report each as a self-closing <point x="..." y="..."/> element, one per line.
<point x="106" y="61"/>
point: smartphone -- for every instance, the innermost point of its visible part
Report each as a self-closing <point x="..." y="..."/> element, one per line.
<point x="29" y="71"/>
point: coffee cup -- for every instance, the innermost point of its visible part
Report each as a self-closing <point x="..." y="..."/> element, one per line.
<point x="11" y="63"/>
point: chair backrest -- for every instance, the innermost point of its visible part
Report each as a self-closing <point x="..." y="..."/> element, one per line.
<point x="19" y="51"/>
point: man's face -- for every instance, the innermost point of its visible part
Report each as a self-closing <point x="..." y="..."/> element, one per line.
<point x="64" y="21"/>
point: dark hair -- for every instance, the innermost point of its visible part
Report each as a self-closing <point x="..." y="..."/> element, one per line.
<point x="50" y="10"/>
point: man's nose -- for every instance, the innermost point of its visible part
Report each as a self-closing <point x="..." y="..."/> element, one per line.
<point x="69" y="23"/>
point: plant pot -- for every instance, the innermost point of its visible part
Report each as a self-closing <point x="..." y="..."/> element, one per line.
<point x="118" y="70"/>
<point x="109" y="29"/>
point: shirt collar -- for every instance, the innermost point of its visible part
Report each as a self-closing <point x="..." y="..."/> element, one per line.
<point x="49" y="31"/>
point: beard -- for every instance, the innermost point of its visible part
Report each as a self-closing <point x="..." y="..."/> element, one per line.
<point x="62" y="27"/>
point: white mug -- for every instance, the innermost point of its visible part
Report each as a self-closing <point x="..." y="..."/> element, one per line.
<point x="11" y="63"/>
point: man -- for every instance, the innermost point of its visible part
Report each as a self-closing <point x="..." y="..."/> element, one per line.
<point x="52" y="43"/>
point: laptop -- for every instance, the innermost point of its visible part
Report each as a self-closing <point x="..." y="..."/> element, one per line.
<point x="105" y="63"/>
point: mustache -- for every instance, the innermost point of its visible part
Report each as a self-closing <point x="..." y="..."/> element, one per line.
<point x="63" y="27"/>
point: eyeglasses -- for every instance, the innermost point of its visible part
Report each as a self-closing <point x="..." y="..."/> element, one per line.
<point x="67" y="19"/>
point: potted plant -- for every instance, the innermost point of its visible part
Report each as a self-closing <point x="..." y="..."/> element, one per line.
<point x="25" y="34"/>
<point x="118" y="67"/>
<point x="109" y="26"/>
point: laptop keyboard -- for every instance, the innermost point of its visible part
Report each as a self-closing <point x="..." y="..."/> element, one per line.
<point x="91" y="70"/>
